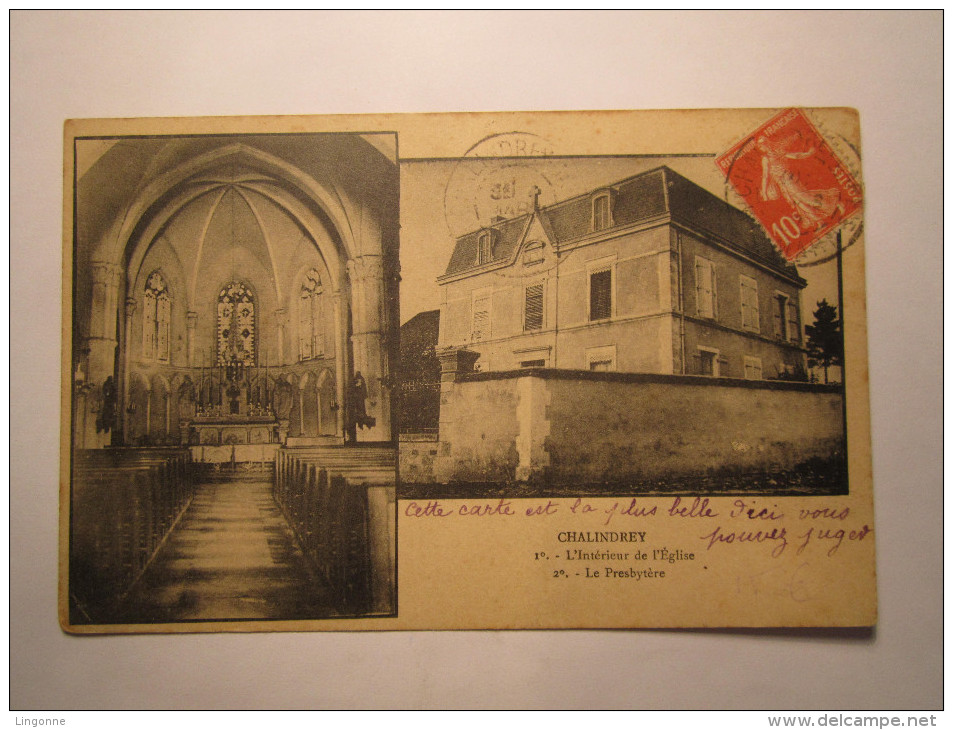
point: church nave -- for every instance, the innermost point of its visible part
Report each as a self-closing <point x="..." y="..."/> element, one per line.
<point x="231" y="556"/>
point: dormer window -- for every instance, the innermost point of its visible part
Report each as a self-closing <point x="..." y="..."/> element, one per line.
<point x="484" y="248"/>
<point x="602" y="210"/>
<point x="533" y="253"/>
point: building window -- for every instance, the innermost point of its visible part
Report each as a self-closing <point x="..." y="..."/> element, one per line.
<point x="533" y="309"/>
<point x="481" y="318"/>
<point x="533" y="253"/>
<point x="707" y="361"/>
<point x="601" y="218"/>
<point x="600" y="294"/>
<point x="310" y="317"/>
<point x="781" y="316"/>
<point x="794" y="323"/>
<point x="787" y="322"/>
<point x="484" y="249"/>
<point x="533" y="364"/>
<point x="750" y="314"/>
<point x="753" y="368"/>
<point x="601" y="359"/>
<point x="236" y="324"/>
<point x="156" y="319"/>
<point x="706" y="294"/>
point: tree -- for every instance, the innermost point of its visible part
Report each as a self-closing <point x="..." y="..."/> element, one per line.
<point x="825" y="342"/>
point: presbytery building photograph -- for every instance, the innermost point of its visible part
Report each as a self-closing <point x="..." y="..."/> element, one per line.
<point x="652" y="274"/>
<point x="233" y="305"/>
<point x="641" y="335"/>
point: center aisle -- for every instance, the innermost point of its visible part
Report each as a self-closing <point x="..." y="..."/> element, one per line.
<point x="232" y="556"/>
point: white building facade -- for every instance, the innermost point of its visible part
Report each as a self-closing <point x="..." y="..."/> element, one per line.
<point x="652" y="274"/>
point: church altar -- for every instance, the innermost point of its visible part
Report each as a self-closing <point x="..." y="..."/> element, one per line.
<point x="234" y="418"/>
<point x="219" y="436"/>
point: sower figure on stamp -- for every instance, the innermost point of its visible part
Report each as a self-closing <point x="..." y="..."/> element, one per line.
<point x="813" y="207"/>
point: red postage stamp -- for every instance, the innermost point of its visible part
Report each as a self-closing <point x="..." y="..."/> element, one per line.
<point x="792" y="181"/>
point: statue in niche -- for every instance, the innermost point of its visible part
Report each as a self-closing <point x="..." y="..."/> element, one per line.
<point x="186" y="400"/>
<point x="358" y="403"/>
<point x="283" y="399"/>
<point x="107" y="412"/>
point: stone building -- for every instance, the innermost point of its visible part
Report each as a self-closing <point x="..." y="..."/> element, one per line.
<point x="652" y="274"/>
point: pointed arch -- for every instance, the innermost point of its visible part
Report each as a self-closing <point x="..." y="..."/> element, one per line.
<point x="149" y="203"/>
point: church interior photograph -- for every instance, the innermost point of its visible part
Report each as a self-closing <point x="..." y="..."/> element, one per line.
<point x="234" y="320"/>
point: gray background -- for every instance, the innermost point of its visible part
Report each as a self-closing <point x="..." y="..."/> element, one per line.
<point x="888" y="65"/>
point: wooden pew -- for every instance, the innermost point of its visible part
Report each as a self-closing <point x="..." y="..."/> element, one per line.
<point x="124" y="502"/>
<point x="323" y="494"/>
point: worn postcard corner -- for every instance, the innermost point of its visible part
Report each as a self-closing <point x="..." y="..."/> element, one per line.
<point x="517" y="370"/>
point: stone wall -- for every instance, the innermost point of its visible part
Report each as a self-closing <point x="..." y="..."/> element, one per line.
<point x="570" y="425"/>
<point x="416" y="457"/>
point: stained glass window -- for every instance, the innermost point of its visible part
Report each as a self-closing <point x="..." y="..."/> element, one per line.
<point x="236" y="324"/>
<point x="310" y="313"/>
<point x="156" y="319"/>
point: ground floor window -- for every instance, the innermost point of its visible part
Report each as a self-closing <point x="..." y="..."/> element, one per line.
<point x="601" y="359"/>
<point x="707" y="361"/>
<point x="753" y="369"/>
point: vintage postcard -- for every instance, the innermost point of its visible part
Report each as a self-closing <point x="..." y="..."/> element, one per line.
<point x="466" y="371"/>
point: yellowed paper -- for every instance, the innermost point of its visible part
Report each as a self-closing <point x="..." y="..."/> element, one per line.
<point x="526" y="370"/>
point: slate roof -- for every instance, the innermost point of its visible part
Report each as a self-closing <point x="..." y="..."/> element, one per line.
<point x="508" y="237"/>
<point x="638" y="198"/>
<point x="699" y="209"/>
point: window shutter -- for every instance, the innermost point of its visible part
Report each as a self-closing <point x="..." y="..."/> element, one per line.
<point x="481" y="319"/>
<point x="533" y="319"/>
<point x="750" y="312"/>
<point x="704" y="291"/>
<point x="794" y="323"/>
<point x="600" y="295"/>
<point x="779" y="317"/>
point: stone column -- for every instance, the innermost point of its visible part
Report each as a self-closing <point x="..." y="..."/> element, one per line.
<point x="454" y="363"/>
<point x="102" y="321"/>
<point x="126" y="369"/>
<point x="366" y="275"/>
<point x="168" y="413"/>
<point x="149" y="410"/>
<point x="300" y="410"/>
<point x="190" y="319"/>
<point x="99" y="348"/>
<point x="281" y="321"/>
<point x="340" y="360"/>
<point x="534" y="426"/>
